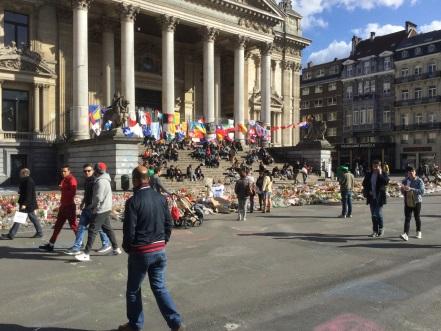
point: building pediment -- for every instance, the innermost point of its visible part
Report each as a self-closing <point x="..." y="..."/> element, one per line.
<point x="24" y="60"/>
<point x="276" y="101"/>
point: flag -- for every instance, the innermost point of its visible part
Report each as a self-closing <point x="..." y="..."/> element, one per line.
<point x="242" y="128"/>
<point x="94" y="113"/>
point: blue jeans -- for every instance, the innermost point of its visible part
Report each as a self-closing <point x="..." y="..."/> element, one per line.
<point x="85" y="218"/>
<point x="154" y="265"/>
<point x="346" y="203"/>
<point x="377" y="215"/>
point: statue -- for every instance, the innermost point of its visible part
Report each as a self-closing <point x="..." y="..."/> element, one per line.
<point x="316" y="129"/>
<point x="117" y="114"/>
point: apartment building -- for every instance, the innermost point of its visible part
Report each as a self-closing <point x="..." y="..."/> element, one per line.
<point x="418" y="100"/>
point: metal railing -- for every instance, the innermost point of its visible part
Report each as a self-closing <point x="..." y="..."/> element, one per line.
<point x="420" y="101"/>
<point x="26" y="136"/>
<point x="418" y="126"/>
<point x="426" y="75"/>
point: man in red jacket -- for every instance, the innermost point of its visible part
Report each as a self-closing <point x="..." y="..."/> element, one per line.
<point x="67" y="210"/>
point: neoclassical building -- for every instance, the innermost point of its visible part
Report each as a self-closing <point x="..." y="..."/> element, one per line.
<point x="220" y="59"/>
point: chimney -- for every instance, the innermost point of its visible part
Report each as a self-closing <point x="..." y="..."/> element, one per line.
<point x="410" y="26"/>
<point x="372" y="35"/>
<point x="355" y="41"/>
<point x="309" y="64"/>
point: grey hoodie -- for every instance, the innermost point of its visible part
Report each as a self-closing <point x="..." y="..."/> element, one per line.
<point x="102" y="195"/>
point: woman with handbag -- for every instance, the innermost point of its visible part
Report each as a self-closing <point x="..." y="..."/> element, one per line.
<point x="413" y="190"/>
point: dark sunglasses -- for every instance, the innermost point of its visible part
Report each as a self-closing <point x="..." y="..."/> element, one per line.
<point x="87" y="170"/>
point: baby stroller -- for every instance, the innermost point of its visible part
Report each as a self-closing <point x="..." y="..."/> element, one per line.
<point x="185" y="213"/>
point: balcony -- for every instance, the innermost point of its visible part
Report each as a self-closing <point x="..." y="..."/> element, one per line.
<point x="421" y="101"/>
<point x="413" y="78"/>
<point x="13" y="136"/>
<point x="418" y="126"/>
<point x="365" y="96"/>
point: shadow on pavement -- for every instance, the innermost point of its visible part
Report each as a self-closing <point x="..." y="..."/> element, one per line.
<point x="295" y="216"/>
<point x="434" y="216"/>
<point x="31" y="254"/>
<point x="15" y="327"/>
<point x="391" y="245"/>
<point x="318" y="237"/>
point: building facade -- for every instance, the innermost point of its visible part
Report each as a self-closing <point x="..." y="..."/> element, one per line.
<point x="368" y="103"/>
<point x="217" y="59"/>
<point x="418" y="100"/>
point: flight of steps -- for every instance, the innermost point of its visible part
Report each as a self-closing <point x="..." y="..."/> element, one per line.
<point x="185" y="159"/>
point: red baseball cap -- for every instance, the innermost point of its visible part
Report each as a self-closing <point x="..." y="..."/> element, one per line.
<point x="101" y="167"/>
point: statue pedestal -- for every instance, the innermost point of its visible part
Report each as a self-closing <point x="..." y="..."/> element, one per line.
<point x="118" y="152"/>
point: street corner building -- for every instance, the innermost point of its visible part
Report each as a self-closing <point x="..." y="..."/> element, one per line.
<point x="216" y="59"/>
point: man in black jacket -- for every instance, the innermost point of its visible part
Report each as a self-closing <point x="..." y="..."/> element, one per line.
<point x="27" y="203"/>
<point x="374" y="190"/>
<point x="146" y="231"/>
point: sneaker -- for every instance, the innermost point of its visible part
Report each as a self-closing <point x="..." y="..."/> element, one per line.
<point x="126" y="327"/>
<point x="244" y="219"/>
<point x="48" y="247"/>
<point x="349" y="216"/>
<point x="104" y="249"/>
<point x="381" y="233"/>
<point x="373" y="235"/>
<point x="404" y="237"/>
<point x="342" y="216"/>
<point x="37" y="235"/>
<point x="6" y="237"/>
<point x="83" y="257"/>
<point x="179" y="328"/>
<point x="418" y="235"/>
<point x="117" y="251"/>
<point x="72" y="251"/>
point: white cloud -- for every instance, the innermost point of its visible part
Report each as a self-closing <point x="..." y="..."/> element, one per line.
<point x="434" y="25"/>
<point x="336" y="49"/>
<point x="312" y="9"/>
<point x="380" y="30"/>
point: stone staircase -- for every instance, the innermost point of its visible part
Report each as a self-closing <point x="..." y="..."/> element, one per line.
<point x="185" y="159"/>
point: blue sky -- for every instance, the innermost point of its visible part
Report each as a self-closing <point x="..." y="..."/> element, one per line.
<point x="332" y="23"/>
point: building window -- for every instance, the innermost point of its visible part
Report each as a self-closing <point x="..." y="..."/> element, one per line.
<point x="431" y="137"/>
<point x="431" y="117"/>
<point x="418" y="70"/>
<point x="318" y="117"/>
<point x="418" y="139"/>
<point x="373" y="86"/>
<point x="404" y="54"/>
<point x="349" y="92"/>
<point x="318" y="89"/>
<point x="348" y="120"/>
<point x="432" y="92"/>
<point x="318" y="103"/>
<point x="386" y="88"/>
<point x="360" y="88"/>
<point x="331" y="132"/>
<point x="387" y="65"/>
<point x="305" y="104"/>
<point x="418" y="51"/>
<point x="418" y="93"/>
<point x="16" y="29"/>
<point x="367" y="87"/>
<point x="404" y="121"/>
<point x="356" y="117"/>
<point x="363" y="116"/>
<point x="431" y="68"/>
<point x="419" y="119"/>
<point x="349" y="71"/>
<point x="404" y="94"/>
<point x="332" y="101"/>
<point x="305" y="91"/>
<point x="386" y="117"/>
<point x="320" y="73"/>
<point x="15" y="112"/>
<point x="404" y="72"/>
<point x="332" y="86"/>
<point x="308" y="75"/>
<point x="431" y="48"/>
<point x="404" y="138"/>
<point x="367" y="67"/>
<point x="369" y="116"/>
<point x="332" y="116"/>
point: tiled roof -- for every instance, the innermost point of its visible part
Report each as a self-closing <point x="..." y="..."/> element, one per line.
<point x="379" y="44"/>
<point x="421" y="38"/>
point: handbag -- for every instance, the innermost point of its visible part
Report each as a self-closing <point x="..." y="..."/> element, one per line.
<point x="175" y="212"/>
<point x="20" y="217"/>
<point x="410" y="199"/>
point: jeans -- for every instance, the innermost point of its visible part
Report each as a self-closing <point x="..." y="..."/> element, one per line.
<point x="377" y="216"/>
<point x="242" y="208"/>
<point x="98" y="222"/>
<point x="408" y="215"/>
<point x="85" y="218"/>
<point x="252" y="203"/>
<point x="154" y="265"/>
<point x="33" y="218"/>
<point x="261" y="200"/>
<point x="346" y="203"/>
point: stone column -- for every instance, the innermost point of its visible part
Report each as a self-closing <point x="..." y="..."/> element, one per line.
<point x="217" y="89"/>
<point x="108" y="61"/>
<point x="47" y="125"/>
<point x="37" y="107"/>
<point x="80" y="97"/>
<point x="296" y="102"/>
<point x="128" y="14"/>
<point x="265" y="84"/>
<point x="168" y="67"/>
<point x="209" y="35"/>
<point x="287" y="102"/>
<point x="1" y="106"/>
<point x="239" y="93"/>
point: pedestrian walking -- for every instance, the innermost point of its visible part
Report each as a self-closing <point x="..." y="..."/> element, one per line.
<point x="386" y="169"/>
<point x="374" y="190"/>
<point x="413" y="190"/>
<point x="267" y="188"/>
<point x="27" y="203"/>
<point x="304" y="172"/>
<point x="259" y="190"/>
<point x="87" y="215"/>
<point x="243" y="191"/>
<point x="146" y="231"/>
<point x="156" y="183"/>
<point x="346" y="181"/>
<point x="67" y="210"/>
<point x="252" y="183"/>
<point x="101" y="207"/>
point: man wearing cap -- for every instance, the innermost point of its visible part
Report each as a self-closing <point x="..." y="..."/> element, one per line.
<point x="346" y="181"/>
<point x="101" y="208"/>
<point x="413" y="190"/>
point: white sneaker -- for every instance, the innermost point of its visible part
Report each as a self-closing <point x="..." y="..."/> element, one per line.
<point x="83" y="257"/>
<point x="419" y="236"/>
<point x="117" y="251"/>
<point x="404" y="237"/>
<point x="373" y="235"/>
<point x="104" y="249"/>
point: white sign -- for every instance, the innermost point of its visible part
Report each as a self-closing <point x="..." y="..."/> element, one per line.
<point x="20" y="217"/>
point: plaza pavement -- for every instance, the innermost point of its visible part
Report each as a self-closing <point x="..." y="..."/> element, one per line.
<point x="298" y="268"/>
